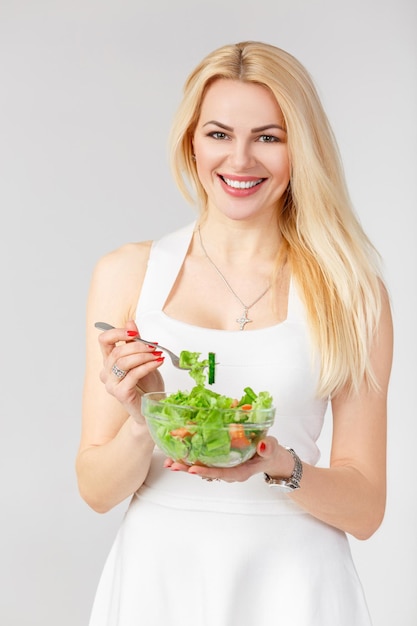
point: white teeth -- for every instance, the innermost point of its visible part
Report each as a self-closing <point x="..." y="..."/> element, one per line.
<point x="241" y="184"/>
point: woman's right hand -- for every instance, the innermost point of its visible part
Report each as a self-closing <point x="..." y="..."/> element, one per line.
<point x="140" y="362"/>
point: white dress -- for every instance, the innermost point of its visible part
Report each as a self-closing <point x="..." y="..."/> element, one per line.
<point x="196" y="553"/>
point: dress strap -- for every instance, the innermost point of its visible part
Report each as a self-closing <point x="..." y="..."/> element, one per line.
<point x="165" y="260"/>
<point x="295" y="307"/>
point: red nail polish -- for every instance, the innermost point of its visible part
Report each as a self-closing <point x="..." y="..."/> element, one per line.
<point x="161" y="358"/>
<point x="262" y="447"/>
<point x="157" y="352"/>
<point x="132" y="333"/>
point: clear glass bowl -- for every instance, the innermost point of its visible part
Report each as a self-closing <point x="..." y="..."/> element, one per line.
<point x="205" y="436"/>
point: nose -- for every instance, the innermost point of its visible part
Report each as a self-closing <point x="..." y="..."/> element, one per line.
<point x="241" y="155"/>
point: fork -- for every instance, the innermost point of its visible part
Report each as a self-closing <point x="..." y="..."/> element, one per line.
<point x="174" y="358"/>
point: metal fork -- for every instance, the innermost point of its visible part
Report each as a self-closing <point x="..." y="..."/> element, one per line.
<point x="174" y="358"/>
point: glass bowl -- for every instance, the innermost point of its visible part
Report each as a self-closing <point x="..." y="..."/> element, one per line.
<point x="208" y="436"/>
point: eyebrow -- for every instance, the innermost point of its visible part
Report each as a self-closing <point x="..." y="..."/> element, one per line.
<point x="254" y="130"/>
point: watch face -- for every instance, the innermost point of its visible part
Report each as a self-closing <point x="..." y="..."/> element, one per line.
<point x="278" y="484"/>
<point x="281" y="487"/>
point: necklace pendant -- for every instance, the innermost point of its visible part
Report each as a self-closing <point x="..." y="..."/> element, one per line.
<point x="243" y="319"/>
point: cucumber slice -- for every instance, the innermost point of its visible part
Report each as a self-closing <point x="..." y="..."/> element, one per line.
<point x="211" y="368"/>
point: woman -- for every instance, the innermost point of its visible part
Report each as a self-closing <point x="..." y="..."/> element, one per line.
<point x="277" y="278"/>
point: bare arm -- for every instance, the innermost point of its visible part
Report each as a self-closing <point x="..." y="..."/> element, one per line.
<point x="115" y="447"/>
<point x="351" y="494"/>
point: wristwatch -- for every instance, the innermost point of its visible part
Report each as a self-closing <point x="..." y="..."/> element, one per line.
<point x="291" y="483"/>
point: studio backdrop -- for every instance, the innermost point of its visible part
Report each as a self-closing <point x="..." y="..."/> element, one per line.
<point x="88" y="89"/>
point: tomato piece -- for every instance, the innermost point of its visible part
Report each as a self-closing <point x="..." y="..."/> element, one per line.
<point x="180" y="432"/>
<point x="241" y="442"/>
<point x="238" y="437"/>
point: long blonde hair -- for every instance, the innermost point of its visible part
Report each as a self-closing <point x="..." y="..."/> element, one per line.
<point x="332" y="260"/>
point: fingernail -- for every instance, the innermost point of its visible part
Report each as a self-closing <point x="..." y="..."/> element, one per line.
<point x="161" y="358"/>
<point x="262" y="447"/>
<point x="132" y="333"/>
<point x="157" y="352"/>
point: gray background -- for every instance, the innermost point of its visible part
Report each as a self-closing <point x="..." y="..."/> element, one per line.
<point x="87" y="92"/>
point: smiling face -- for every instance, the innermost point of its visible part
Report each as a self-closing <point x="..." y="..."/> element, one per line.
<point x="240" y="144"/>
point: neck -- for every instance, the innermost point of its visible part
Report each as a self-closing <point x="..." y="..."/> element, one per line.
<point x="238" y="243"/>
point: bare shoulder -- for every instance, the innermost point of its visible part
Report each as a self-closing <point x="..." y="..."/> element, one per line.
<point x="117" y="280"/>
<point x="382" y="350"/>
<point x="128" y="257"/>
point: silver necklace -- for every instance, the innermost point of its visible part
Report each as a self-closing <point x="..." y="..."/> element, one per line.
<point x="243" y="319"/>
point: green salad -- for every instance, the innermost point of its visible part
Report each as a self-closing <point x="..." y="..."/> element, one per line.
<point x="203" y="427"/>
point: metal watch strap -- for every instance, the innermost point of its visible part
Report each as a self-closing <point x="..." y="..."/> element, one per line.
<point x="291" y="483"/>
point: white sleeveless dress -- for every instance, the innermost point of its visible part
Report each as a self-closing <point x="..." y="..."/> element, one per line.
<point x="196" y="553"/>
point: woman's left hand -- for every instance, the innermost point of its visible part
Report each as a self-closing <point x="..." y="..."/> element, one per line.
<point x="270" y="457"/>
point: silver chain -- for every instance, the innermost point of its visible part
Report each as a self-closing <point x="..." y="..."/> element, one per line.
<point x="243" y="320"/>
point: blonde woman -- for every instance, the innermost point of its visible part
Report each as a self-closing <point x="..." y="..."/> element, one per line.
<point x="278" y="279"/>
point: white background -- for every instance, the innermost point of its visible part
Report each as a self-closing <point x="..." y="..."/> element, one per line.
<point x="87" y="92"/>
